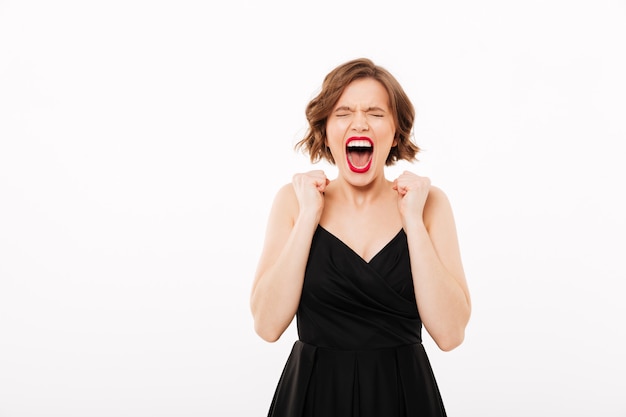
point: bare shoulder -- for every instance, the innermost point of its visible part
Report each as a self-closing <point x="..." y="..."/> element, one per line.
<point x="437" y="208"/>
<point x="286" y="195"/>
<point x="285" y="203"/>
<point x="437" y="197"/>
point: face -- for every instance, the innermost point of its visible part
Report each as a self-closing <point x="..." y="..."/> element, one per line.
<point x="360" y="131"/>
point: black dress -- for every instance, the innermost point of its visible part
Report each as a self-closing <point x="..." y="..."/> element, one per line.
<point x="359" y="352"/>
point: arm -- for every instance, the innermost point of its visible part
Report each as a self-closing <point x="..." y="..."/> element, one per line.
<point x="441" y="289"/>
<point x="280" y="273"/>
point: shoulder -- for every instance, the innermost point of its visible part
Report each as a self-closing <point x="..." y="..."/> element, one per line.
<point x="437" y="207"/>
<point x="285" y="202"/>
<point x="285" y="194"/>
<point x="437" y="196"/>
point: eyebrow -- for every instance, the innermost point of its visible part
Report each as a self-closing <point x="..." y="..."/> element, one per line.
<point x="346" y="108"/>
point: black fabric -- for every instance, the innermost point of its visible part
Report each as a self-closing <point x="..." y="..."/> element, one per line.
<point x="359" y="352"/>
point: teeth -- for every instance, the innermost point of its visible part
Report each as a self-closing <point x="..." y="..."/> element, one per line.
<point x="360" y="143"/>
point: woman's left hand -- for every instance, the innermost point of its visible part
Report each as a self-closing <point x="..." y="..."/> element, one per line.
<point x="412" y="194"/>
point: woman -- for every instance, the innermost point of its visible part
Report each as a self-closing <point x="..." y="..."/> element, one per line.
<point x="361" y="261"/>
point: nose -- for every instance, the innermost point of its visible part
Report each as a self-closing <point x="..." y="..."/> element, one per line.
<point x="359" y="123"/>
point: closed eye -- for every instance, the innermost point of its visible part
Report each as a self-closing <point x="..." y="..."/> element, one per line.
<point x="376" y="111"/>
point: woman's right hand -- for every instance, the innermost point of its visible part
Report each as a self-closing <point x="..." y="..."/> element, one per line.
<point x="309" y="188"/>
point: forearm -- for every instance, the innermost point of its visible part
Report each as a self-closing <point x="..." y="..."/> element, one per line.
<point x="442" y="301"/>
<point x="276" y="296"/>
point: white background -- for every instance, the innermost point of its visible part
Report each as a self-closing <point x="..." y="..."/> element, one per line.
<point x="142" y="142"/>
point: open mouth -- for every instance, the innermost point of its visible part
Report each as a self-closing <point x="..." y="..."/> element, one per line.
<point x="359" y="152"/>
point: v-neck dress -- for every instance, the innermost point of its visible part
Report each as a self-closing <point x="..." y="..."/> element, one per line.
<point x="359" y="350"/>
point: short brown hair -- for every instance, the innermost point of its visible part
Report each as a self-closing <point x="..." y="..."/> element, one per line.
<point x="319" y="109"/>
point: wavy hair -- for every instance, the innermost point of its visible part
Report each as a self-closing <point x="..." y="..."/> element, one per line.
<point x="319" y="109"/>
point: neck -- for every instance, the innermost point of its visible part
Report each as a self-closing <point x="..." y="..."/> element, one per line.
<point x="360" y="195"/>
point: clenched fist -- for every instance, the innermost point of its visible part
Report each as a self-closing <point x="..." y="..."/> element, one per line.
<point x="309" y="188"/>
<point x="412" y="194"/>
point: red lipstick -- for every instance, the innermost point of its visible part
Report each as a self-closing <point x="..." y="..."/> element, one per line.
<point x="359" y="151"/>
